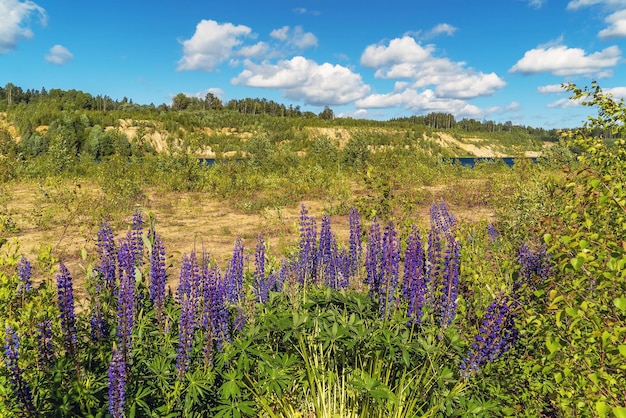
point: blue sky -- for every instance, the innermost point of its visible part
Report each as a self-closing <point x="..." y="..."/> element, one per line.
<point x="501" y="60"/>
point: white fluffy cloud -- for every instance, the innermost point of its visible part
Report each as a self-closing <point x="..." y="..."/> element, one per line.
<point x="296" y="37"/>
<point x="16" y="16"/>
<point x="561" y="60"/>
<point x="442" y="29"/>
<point x="303" y="79"/>
<point x="550" y="88"/>
<point x="405" y="58"/>
<point x="579" y="4"/>
<point x="59" y="55"/>
<point x="421" y="102"/>
<point x="617" y="26"/>
<point x="212" y="44"/>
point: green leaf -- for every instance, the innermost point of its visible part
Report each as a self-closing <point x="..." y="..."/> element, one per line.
<point x="622" y="349"/>
<point x="577" y="262"/>
<point x="620" y="303"/>
<point x="619" y="412"/>
<point x="602" y="408"/>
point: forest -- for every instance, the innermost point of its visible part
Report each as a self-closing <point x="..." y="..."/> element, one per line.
<point x="209" y="259"/>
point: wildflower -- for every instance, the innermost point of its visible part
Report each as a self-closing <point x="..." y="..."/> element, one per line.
<point x="441" y="220"/>
<point x="496" y="335"/>
<point x="535" y="267"/>
<point x="234" y="273"/>
<point x="117" y="384"/>
<point x="373" y="260"/>
<point x="24" y="275"/>
<point x="492" y="233"/>
<point x="261" y="285"/>
<point x="215" y="312"/>
<point x="97" y="322"/>
<point x="325" y="252"/>
<point x="186" y="327"/>
<point x="189" y="281"/>
<point x="390" y="269"/>
<point x="450" y="284"/>
<point x="107" y="253"/>
<point x="65" y="295"/>
<point x="44" y="344"/>
<point x="126" y="304"/>
<point x="355" y="242"/>
<point x="21" y="390"/>
<point x="157" y="276"/>
<point x="307" y="260"/>
<point x="135" y="238"/>
<point x="415" y="283"/>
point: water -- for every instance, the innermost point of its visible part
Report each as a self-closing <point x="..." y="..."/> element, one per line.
<point x="472" y="161"/>
<point x="464" y="161"/>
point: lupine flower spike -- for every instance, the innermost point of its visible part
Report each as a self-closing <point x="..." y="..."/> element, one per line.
<point x="496" y="335"/>
<point x="19" y="386"/>
<point x="117" y="384"/>
<point x="24" y="275"/>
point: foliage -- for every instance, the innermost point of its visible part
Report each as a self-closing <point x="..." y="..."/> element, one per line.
<point x="312" y="345"/>
<point x="585" y="316"/>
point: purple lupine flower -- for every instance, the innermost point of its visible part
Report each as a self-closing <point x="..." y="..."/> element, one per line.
<point x="341" y="265"/>
<point x="65" y="295"/>
<point x="234" y="273"/>
<point x="215" y="312"/>
<point x="441" y="220"/>
<point x="415" y="283"/>
<point x="355" y="242"/>
<point x="535" y="267"/>
<point x="126" y="303"/>
<point x="325" y="252"/>
<point x="117" y="384"/>
<point x="373" y="260"/>
<point x="135" y="238"/>
<point x="307" y="259"/>
<point x="107" y="253"/>
<point x="496" y="335"/>
<point x="21" y="390"/>
<point x="390" y="269"/>
<point x="492" y="233"/>
<point x="261" y="284"/>
<point x="97" y="324"/>
<point x="24" y="272"/>
<point x="450" y="283"/>
<point x="189" y="282"/>
<point x="44" y="344"/>
<point x="434" y="264"/>
<point x="186" y="328"/>
<point x="158" y="278"/>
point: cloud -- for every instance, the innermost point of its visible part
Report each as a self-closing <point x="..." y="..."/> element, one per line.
<point x="550" y="88"/>
<point x="617" y="92"/>
<point x="405" y="58"/>
<point x="561" y="60"/>
<point x="579" y="4"/>
<point x="536" y="4"/>
<point x="399" y="51"/>
<point x="441" y="29"/>
<point x="617" y="26"/>
<point x="257" y="50"/>
<point x="564" y="104"/>
<point x="303" y="11"/>
<point x="357" y="114"/>
<point x="59" y="55"/>
<point x="303" y="79"/>
<point x="212" y="44"/>
<point x="421" y="102"/>
<point x="295" y="37"/>
<point x="15" y="18"/>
